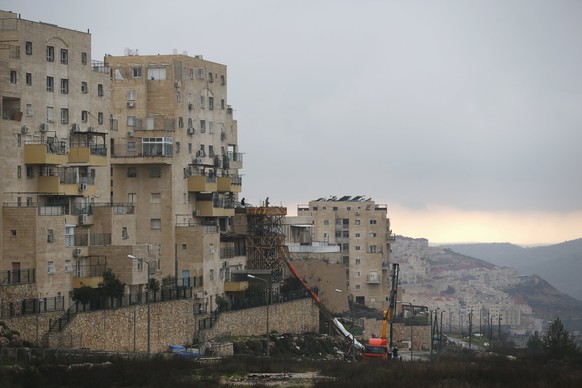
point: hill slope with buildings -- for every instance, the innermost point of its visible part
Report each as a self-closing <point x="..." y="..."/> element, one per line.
<point x="559" y="264"/>
<point x="459" y="286"/>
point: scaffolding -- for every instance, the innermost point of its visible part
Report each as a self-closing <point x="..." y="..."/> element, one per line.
<point x="265" y="237"/>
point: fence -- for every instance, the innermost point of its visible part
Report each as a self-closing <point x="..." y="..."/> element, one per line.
<point x="32" y="306"/>
<point x="20" y="276"/>
<point x="27" y="356"/>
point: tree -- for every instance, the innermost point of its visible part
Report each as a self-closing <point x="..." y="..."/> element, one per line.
<point x="558" y="343"/>
<point x="85" y="294"/>
<point x="535" y="343"/>
<point x="112" y="286"/>
<point x="154" y="285"/>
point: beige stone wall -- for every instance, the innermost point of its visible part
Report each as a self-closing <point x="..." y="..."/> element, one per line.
<point x="298" y="316"/>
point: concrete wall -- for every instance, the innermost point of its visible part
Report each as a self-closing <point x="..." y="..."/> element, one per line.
<point x="400" y="334"/>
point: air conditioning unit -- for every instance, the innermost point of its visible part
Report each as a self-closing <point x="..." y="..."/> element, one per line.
<point x="25" y="129"/>
<point x="129" y="134"/>
<point x="76" y="128"/>
<point x="44" y="127"/>
<point x="83" y="219"/>
<point x="190" y="106"/>
<point x="178" y="84"/>
<point x="196" y="213"/>
<point x="130" y="104"/>
<point x="83" y="187"/>
<point x="199" y="295"/>
<point x="77" y="252"/>
<point x="190" y="131"/>
<point x="91" y="129"/>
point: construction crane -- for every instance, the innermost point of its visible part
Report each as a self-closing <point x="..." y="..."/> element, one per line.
<point x="379" y="348"/>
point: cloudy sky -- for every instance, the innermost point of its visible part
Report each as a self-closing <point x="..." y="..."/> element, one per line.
<point x="464" y="117"/>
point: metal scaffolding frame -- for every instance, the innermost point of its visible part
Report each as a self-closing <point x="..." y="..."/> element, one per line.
<point x="265" y="237"/>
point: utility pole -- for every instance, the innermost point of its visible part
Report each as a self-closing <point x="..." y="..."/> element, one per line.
<point x="470" y="328"/>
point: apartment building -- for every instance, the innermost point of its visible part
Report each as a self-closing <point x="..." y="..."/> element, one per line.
<point x="55" y="118"/>
<point x="362" y="230"/>
<point x="133" y="156"/>
<point x="175" y="156"/>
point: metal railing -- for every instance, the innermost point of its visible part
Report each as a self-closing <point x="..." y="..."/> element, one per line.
<point x="19" y="276"/>
<point x="32" y="306"/>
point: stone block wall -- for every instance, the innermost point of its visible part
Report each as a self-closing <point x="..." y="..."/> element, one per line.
<point x="299" y="316"/>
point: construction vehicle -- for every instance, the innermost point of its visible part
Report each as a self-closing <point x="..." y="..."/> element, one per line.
<point x="380" y="348"/>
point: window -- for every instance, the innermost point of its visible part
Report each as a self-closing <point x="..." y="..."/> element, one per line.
<point x="28" y="79"/>
<point x="346" y="234"/>
<point x="50" y="236"/>
<point x="100" y="91"/>
<point x="184" y="247"/>
<point x="156" y="224"/>
<point x="136" y="72"/>
<point x="190" y="148"/>
<point x="28" y="110"/>
<point x="70" y="235"/>
<point x="211" y="103"/>
<point x="64" y="86"/>
<point x="357" y="248"/>
<point x="29" y="172"/>
<point x="210" y="127"/>
<point x="211" y="151"/>
<point x="155" y="172"/>
<point x="64" y="116"/>
<point x="202" y="126"/>
<point x="202" y="102"/>
<point x="64" y="56"/>
<point x="222" y="103"/>
<point x="84" y="88"/>
<point x="357" y="235"/>
<point x="13" y="233"/>
<point x="201" y="73"/>
<point x="211" y="274"/>
<point x="100" y="118"/>
<point x="68" y="266"/>
<point x="180" y="122"/>
<point x="84" y="58"/>
<point x="358" y="261"/>
<point x="124" y="233"/>
<point x="348" y="208"/>
<point x="155" y="73"/>
<point x="50" y="53"/>
<point x="358" y="286"/>
<point x="131" y="197"/>
<point x="131" y="95"/>
<point x="131" y="121"/>
<point x="50" y="114"/>
<point x="372" y="248"/>
<point x="155" y="198"/>
<point x="372" y="222"/>
<point x="357" y="222"/>
<point x="222" y="80"/>
<point x="13" y="76"/>
<point x="358" y="274"/>
<point x="372" y="234"/>
<point x="131" y="147"/>
<point x="50" y="84"/>
<point x="19" y="139"/>
<point x="190" y="122"/>
<point x="346" y="260"/>
<point x="325" y="222"/>
<point x="19" y="172"/>
<point x="177" y="147"/>
<point x="178" y="96"/>
<point x="28" y="48"/>
<point x="84" y="116"/>
<point x="210" y="78"/>
<point x="131" y="172"/>
<point x="157" y="146"/>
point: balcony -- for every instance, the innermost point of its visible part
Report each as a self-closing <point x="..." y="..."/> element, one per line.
<point x="95" y="155"/>
<point x="235" y="160"/>
<point x="89" y="271"/>
<point x="65" y="181"/>
<point x="146" y="150"/>
<point x="202" y="184"/>
<point x="45" y="152"/>
<point x="213" y="209"/>
<point x="373" y="278"/>
<point x="231" y="184"/>
<point x="236" y="286"/>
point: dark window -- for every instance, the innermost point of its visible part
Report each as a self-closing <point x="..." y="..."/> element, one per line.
<point x="84" y="58"/>
<point x="64" y="86"/>
<point x="50" y="84"/>
<point x="50" y="53"/>
<point x="100" y="91"/>
<point x="28" y="79"/>
<point x="28" y="48"/>
<point x="64" y="56"/>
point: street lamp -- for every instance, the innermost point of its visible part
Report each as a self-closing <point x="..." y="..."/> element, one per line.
<point x="268" y="299"/>
<point x="132" y="257"/>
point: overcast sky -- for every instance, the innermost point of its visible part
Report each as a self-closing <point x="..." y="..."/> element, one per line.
<point x="464" y="117"/>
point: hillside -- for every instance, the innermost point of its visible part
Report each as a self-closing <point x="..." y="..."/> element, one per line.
<point x="559" y="264"/>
